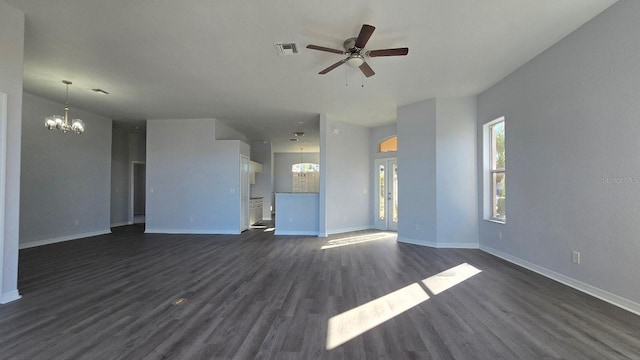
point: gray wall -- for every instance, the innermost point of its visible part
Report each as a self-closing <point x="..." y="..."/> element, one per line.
<point x="437" y="178"/>
<point x="193" y="180"/>
<point x="345" y="176"/>
<point x="572" y="143"/>
<point x="457" y="191"/>
<point x="261" y="152"/>
<point x="66" y="178"/>
<point x="119" y="177"/>
<point x="282" y="179"/>
<point x="12" y="50"/>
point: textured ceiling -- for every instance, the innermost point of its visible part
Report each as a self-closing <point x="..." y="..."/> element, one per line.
<point x="167" y="59"/>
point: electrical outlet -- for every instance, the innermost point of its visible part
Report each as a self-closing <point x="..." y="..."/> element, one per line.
<point x="575" y="257"/>
<point x="500" y="235"/>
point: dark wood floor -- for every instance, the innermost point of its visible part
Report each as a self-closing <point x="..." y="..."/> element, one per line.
<point x="262" y="296"/>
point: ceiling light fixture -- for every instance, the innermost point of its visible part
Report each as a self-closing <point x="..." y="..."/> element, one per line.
<point x="62" y="122"/>
<point x="355" y="60"/>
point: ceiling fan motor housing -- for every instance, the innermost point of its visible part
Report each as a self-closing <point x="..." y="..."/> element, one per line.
<point x="350" y="46"/>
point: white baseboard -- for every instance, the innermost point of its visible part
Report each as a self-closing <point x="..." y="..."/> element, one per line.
<point x="346" y="230"/>
<point x="31" y="244"/>
<point x="10" y="296"/>
<point x="191" y="231"/>
<point x="438" y="245"/>
<point x="122" y="224"/>
<point x="294" y="232"/>
<point x="613" y="299"/>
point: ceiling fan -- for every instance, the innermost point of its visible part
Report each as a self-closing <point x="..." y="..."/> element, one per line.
<point x="356" y="55"/>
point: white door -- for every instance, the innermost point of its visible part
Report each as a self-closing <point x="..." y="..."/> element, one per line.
<point x="386" y="194"/>
<point x="244" y="193"/>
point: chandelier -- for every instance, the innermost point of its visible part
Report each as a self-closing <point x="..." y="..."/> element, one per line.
<point x="62" y="122"/>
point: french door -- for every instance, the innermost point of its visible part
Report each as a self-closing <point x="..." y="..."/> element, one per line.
<point x="386" y="194"/>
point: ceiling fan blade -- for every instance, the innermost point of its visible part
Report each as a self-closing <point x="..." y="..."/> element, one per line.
<point x="332" y="67"/>
<point x="367" y="70"/>
<point x="322" y="48"/>
<point x="389" y="52"/>
<point x="363" y="37"/>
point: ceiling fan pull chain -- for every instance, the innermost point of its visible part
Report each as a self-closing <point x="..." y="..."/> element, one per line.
<point x="346" y="77"/>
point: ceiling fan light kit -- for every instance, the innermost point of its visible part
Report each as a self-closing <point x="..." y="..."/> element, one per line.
<point x="356" y="55"/>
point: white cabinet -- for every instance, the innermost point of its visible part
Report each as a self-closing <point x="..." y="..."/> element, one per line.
<point x="254" y="168"/>
<point x="255" y="210"/>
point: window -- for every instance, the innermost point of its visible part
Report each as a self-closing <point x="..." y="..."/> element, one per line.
<point x="306" y="177"/>
<point x="390" y="144"/>
<point x="495" y="171"/>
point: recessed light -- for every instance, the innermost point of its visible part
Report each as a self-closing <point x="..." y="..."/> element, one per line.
<point x="298" y="133"/>
<point x="293" y="140"/>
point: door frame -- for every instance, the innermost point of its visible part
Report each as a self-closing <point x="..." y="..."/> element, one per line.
<point x="132" y="185"/>
<point x="387" y="224"/>
<point x="245" y="221"/>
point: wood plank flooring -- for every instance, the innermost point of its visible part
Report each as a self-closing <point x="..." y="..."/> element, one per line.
<point x="260" y="296"/>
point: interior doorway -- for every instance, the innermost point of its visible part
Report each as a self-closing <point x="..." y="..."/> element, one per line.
<point x="244" y="194"/>
<point x="386" y="194"/>
<point x="137" y="192"/>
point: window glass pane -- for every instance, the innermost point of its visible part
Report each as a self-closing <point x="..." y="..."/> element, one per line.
<point x="381" y="196"/>
<point x="395" y="193"/>
<point x="390" y="144"/>
<point x="499" y="190"/>
<point x="305" y="168"/>
<point x="497" y="146"/>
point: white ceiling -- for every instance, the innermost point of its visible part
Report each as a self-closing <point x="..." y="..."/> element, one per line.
<point x="167" y="59"/>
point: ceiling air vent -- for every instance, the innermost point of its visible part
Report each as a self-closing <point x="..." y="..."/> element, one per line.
<point x="287" y="48"/>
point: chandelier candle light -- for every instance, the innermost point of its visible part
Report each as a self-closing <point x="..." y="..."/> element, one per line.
<point x="62" y="122"/>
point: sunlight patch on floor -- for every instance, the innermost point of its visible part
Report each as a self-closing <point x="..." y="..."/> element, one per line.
<point x="449" y="278"/>
<point x="351" y="240"/>
<point x="355" y="322"/>
<point x="352" y="323"/>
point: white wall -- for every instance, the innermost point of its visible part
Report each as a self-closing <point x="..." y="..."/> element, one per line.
<point x="193" y="180"/>
<point x="572" y="144"/>
<point x="226" y="132"/>
<point x="416" y="173"/>
<point x="261" y="152"/>
<point x="66" y="178"/>
<point x="345" y="175"/>
<point x="12" y="49"/>
<point x="283" y="181"/>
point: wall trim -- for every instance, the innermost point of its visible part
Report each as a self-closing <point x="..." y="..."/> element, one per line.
<point x="294" y="232"/>
<point x="10" y="296"/>
<point x="124" y="223"/>
<point x="346" y="230"/>
<point x="191" y="231"/>
<point x="438" y="245"/>
<point x="603" y="295"/>
<point x="31" y="244"/>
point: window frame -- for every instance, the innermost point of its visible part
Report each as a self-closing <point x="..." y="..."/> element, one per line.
<point x="491" y="201"/>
